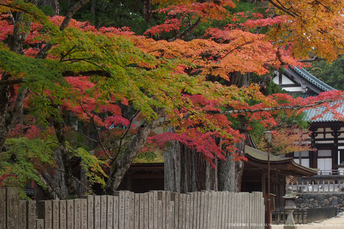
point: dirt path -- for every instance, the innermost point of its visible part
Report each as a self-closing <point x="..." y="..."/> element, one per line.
<point x="332" y="223"/>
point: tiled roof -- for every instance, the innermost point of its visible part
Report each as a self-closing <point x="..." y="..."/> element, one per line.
<point x="312" y="79"/>
<point x="328" y="117"/>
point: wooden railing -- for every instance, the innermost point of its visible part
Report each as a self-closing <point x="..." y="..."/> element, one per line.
<point x="303" y="216"/>
<point x="326" y="186"/>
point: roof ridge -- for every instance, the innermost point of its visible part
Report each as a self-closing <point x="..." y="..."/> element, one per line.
<point x="312" y="79"/>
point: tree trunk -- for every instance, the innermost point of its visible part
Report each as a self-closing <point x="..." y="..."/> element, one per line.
<point x="126" y="159"/>
<point x="68" y="175"/>
<point x="185" y="170"/>
<point x="59" y="174"/>
<point x="230" y="172"/>
<point x="147" y="10"/>
<point x="93" y="11"/>
<point x="172" y="167"/>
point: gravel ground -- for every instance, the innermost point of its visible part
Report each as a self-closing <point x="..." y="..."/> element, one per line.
<point x="332" y="223"/>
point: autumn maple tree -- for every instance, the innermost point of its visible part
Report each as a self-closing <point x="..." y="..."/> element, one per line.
<point x="64" y="80"/>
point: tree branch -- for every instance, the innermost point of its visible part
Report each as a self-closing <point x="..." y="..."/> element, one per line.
<point x="64" y="74"/>
<point x="285" y="107"/>
<point x="122" y="137"/>
<point x="283" y="8"/>
<point x="98" y="135"/>
<point x="187" y="31"/>
<point x="42" y="54"/>
<point x="316" y="58"/>
<point x="71" y="12"/>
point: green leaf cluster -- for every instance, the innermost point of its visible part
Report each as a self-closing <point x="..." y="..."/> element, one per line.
<point x="23" y="161"/>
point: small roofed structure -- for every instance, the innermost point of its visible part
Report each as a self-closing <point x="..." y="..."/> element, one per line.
<point x="255" y="173"/>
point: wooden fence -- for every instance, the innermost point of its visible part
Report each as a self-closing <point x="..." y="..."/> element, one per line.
<point x="329" y="186"/>
<point x="155" y="209"/>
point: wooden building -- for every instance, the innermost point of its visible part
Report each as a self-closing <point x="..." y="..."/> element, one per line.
<point x="142" y="177"/>
<point x="255" y="173"/>
<point x="327" y="133"/>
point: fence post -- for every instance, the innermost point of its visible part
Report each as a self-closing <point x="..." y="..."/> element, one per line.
<point x="70" y="214"/>
<point x="97" y="212"/>
<point x="103" y="213"/>
<point x="56" y="214"/>
<point x="137" y="211"/>
<point x="12" y="208"/>
<point x="201" y="210"/>
<point x="3" y="208"/>
<point x="90" y="212"/>
<point x="45" y="212"/>
<point x="31" y="214"/>
<point x="115" y="212"/>
<point x="151" y="210"/>
<point x="22" y="214"/>
<point x="83" y="216"/>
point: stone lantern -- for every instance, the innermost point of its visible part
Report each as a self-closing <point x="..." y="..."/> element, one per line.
<point x="290" y="206"/>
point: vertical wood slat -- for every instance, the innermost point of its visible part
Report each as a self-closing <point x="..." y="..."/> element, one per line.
<point x="201" y="210"/>
<point x="167" y="200"/>
<point x="126" y="209"/>
<point x="195" y="210"/>
<point x="206" y="213"/>
<point x="120" y="209"/>
<point x="103" y="212"/>
<point x="150" y="210"/>
<point x="163" y="208"/>
<point x="224" y="210"/>
<point x="56" y="214"/>
<point x="182" y="211"/>
<point x="155" y="207"/>
<point x="77" y="213"/>
<point x="187" y="211"/>
<point x="175" y="199"/>
<point x="22" y="214"/>
<point x="70" y="214"/>
<point x="160" y="225"/>
<point x="63" y="214"/>
<point x="171" y="211"/>
<point x="83" y="216"/>
<point x="97" y="212"/>
<point x="141" y="221"/>
<point x="31" y="214"/>
<point x="232" y="210"/>
<point x="3" y="207"/>
<point x="115" y="213"/>
<point x="109" y="212"/>
<point x="131" y="210"/>
<point x="12" y="208"/>
<point x="45" y="213"/>
<point x="137" y="211"/>
<point x="90" y="212"/>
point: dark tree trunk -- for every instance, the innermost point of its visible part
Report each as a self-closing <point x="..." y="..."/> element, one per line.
<point x="68" y="175"/>
<point x="93" y="11"/>
<point x="147" y="10"/>
<point x="4" y="99"/>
